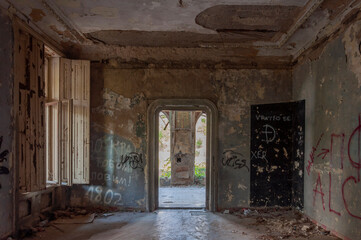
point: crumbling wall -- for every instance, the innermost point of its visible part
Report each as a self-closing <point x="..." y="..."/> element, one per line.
<point x="120" y="97"/>
<point x="331" y="87"/>
<point x="6" y="134"/>
<point x="235" y="91"/>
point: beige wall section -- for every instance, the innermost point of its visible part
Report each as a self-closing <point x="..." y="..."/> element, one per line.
<point x="119" y="100"/>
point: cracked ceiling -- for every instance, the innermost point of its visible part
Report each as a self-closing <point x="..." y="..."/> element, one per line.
<point x="270" y="29"/>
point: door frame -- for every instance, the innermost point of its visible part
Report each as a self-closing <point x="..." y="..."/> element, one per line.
<point x="152" y="168"/>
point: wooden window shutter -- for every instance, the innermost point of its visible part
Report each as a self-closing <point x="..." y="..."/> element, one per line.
<point x="29" y="81"/>
<point x="66" y="122"/>
<point x="80" y="89"/>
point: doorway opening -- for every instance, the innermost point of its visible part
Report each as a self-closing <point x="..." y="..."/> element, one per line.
<point x="182" y="152"/>
<point x="152" y="168"/>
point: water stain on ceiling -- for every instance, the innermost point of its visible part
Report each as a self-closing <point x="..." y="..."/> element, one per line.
<point x="260" y="22"/>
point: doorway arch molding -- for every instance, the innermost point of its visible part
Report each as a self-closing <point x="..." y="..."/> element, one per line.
<point x="151" y="169"/>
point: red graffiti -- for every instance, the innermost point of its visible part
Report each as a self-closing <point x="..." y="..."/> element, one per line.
<point x="312" y="155"/>
<point x="323" y="153"/>
<point x="344" y="198"/>
<point x="329" y="197"/>
<point x="319" y="191"/>
<point x="356" y="165"/>
<point x="342" y="150"/>
<point x="354" y="156"/>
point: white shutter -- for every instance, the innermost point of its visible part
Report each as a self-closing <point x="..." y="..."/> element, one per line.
<point x="80" y="137"/>
<point x="66" y="122"/>
<point x="86" y="119"/>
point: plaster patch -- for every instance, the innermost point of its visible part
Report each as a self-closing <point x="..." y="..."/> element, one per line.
<point x="231" y="131"/>
<point x="297" y="164"/>
<point x="285" y="152"/>
<point x="351" y="41"/>
<point x="229" y="194"/>
<point x="141" y="202"/>
<point x="260" y="89"/>
<point x="232" y="111"/>
<point x="241" y="186"/>
<point x="112" y="101"/>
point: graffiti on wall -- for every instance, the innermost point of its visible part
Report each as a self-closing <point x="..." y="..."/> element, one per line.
<point x="339" y="148"/>
<point x="116" y="166"/>
<point x="234" y="160"/>
<point x="103" y="195"/>
<point x="3" y="158"/>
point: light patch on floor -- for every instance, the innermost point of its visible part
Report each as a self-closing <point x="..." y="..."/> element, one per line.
<point x="182" y="197"/>
<point x="191" y="224"/>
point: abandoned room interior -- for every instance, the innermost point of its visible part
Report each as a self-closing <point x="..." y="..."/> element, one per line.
<point x="180" y="119"/>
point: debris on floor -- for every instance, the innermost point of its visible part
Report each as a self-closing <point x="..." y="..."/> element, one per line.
<point x="283" y="223"/>
<point x="259" y="224"/>
<point x="67" y="216"/>
<point x="80" y="219"/>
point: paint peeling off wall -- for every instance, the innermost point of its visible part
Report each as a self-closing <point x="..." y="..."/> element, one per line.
<point x="331" y="87"/>
<point x="119" y="108"/>
<point x="351" y="41"/>
<point x="112" y="102"/>
<point x="6" y="136"/>
<point x="236" y="91"/>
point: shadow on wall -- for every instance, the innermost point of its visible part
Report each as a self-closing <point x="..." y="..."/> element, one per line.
<point x="3" y="155"/>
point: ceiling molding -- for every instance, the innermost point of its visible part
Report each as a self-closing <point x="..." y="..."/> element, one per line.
<point x="52" y="8"/>
<point x="310" y="8"/>
<point x="20" y="19"/>
<point x="328" y="30"/>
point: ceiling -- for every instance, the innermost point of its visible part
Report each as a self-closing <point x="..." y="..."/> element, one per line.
<point x="147" y="15"/>
<point x="269" y="27"/>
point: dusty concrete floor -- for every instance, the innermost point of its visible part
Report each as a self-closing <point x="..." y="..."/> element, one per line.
<point x="182" y="197"/>
<point x="190" y="224"/>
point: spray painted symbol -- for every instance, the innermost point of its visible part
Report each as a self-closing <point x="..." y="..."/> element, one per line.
<point x="269" y="133"/>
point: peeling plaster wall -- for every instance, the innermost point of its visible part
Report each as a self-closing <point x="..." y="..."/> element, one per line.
<point x="6" y="136"/>
<point x="235" y="91"/>
<point x="118" y="115"/>
<point x="331" y="87"/>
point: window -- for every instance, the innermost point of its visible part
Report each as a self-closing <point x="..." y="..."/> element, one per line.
<point x="67" y="120"/>
<point x="53" y="116"/>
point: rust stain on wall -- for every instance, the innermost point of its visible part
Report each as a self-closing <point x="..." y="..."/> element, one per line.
<point x="37" y="14"/>
<point x="63" y="34"/>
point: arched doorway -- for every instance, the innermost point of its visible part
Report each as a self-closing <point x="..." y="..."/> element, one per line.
<point x="152" y="167"/>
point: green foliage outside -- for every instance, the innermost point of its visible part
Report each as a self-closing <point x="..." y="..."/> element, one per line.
<point x="197" y="153"/>
<point x="199" y="143"/>
<point x="200" y="170"/>
<point x="166" y="169"/>
<point x="203" y="120"/>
